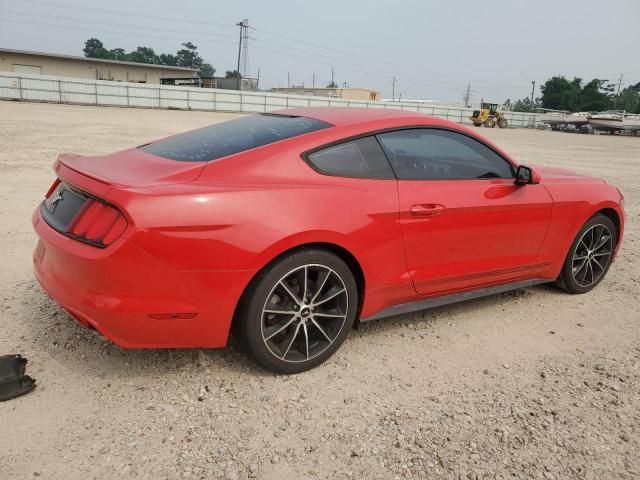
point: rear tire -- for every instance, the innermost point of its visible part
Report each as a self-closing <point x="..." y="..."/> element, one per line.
<point x="503" y="123"/>
<point x="298" y="311"/>
<point x="590" y="255"/>
<point x="490" y="123"/>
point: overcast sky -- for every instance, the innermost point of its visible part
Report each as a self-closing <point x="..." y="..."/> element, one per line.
<point x="433" y="48"/>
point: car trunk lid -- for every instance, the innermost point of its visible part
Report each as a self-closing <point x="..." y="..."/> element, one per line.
<point x="133" y="168"/>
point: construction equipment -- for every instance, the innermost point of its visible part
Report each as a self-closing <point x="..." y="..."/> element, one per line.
<point x="489" y="116"/>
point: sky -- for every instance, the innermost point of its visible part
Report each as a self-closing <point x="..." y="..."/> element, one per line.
<point x="434" y="49"/>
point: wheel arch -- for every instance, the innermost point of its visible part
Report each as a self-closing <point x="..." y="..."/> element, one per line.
<point x="340" y="251"/>
<point x="613" y="215"/>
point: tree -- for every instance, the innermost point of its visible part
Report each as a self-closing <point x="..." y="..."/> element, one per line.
<point x="231" y="74"/>
<point x="558" y="93"/>
<point x="629" y="99"/>
<point x="332" y="85"/>
<point x="206" y="70"/>
<point x="119" y="54"/>
<point x="596" y="96"/>
<point x="94" y="48"/>
<point x="185" y="57"/>
<point x="168" y="59"/>
<point x="144" y="55"/>
<point x="189" y="57"/>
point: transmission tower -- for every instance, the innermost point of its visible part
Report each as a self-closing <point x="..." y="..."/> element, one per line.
<point x="466" y="95"/>
<point x="245" y="48"/>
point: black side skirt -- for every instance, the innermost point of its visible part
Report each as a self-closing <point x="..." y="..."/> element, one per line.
<point x="453" y="298"/>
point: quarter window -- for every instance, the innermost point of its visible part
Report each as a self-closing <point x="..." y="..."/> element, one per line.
<point x="361" y="158"/>
<point x="432" y="154"/>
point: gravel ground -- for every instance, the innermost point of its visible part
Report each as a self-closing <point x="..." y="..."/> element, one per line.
<point x="530" y="384"/>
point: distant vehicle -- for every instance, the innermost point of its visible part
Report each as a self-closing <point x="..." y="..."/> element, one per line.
<point x="489" y="116"/>
<point x="288" y="228"/>
<point x="615" y="122"/>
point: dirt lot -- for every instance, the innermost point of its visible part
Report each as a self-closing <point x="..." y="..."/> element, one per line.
<point x="531" y="384"/>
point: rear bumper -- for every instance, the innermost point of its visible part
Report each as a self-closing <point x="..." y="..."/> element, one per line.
<point x="115" y="290"/>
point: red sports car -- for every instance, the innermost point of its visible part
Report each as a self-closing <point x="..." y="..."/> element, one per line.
<point x="288" y="228"/>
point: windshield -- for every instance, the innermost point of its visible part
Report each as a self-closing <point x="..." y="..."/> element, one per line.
<point x="227" y="138"/>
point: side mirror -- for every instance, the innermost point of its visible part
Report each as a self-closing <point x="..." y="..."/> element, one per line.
<point x="526" y="176"/>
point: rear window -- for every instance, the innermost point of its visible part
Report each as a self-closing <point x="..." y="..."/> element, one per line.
<point x="234" y="136"/>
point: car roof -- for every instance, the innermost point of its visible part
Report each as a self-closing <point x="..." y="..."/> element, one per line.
<point x="340" y="116"/>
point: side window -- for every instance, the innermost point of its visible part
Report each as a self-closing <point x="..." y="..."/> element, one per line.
<point x="361" y="158"/>
<point x="431" y="154"/>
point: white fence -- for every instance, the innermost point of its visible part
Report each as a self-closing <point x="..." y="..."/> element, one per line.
<point x="42" y="88"/>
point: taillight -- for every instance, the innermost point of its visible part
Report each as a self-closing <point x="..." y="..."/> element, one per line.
<point x="97" y="223"/>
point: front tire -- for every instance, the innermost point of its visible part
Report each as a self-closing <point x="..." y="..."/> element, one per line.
<point x="590" y="255"/>
<point x="298" y="311"/>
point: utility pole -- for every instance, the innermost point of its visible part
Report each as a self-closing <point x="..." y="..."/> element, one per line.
<point x="313" y="80"/>
<point x="243" y="24"/>
<point x="332" y="76"/>
<point x="467" y="95"/>
<point x="288" y="80"/>
<point x="533" y="89"/>
<point x="258" y="81"/>
<point x="393" y="90"/>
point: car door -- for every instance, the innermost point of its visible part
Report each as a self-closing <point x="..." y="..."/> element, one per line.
<point x="464" y="220"/>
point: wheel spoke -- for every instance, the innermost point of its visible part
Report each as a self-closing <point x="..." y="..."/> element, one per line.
<point x="291" y="294"/>
<point x="325" y="275"/>
<point x="599" y="264"/>
<point x="293" y="337"/>
<point x="330" y="315"/>
<point x="329" y="296"/>
<point x="582" y="265"/>
<point x="602" y="242"/>
<point x="304" y="290"/>
<point x="306" y="338"/>
<point x="317" y="325"/>
<point x="280" y="329"/>
<point x="602" y="254"/>
<point x="278" y="309"/>
<point x="584" y="273"/>
<point x="590" y="268"/>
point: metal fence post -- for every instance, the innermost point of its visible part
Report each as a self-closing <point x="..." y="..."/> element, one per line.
<point x="20" y="87"/>
<point x="188" y="100"/>
<point x="159" y="98"/>
<point x="59" y="92"/>
<point x="128" y="99"/>
<point x="265" y="103"/>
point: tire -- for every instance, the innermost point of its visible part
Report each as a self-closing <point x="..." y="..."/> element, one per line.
<point x="287" y="334"/>
<point x="490" y="123"/>
<point x="590" y="255"/>
<point x="503" y="123"/>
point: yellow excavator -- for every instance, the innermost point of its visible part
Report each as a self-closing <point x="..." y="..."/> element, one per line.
<point x="489" y="116"/>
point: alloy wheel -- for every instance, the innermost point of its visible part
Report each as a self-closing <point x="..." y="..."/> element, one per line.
<point x="592" y="255"/>
<point x="304" y="313"/>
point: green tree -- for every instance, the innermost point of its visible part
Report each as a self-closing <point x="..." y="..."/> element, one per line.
<point x="231" y="74"/>
<point x="332" y="85"/>
<point x="629" y="99"/>
<point x="119" y="54"/>
<point x="558" y="93"/>
<point x="189" y="57"/>
<point x="596" y="96"/>
<point x="507" y="105"/>
<point x="94" y="48"/>
<point x="206" y="70"/>
<point x="144" y="55"/>
<point x="168" y="59"/>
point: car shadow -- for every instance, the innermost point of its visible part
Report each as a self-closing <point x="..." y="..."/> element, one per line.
<point x="56" y="335"/>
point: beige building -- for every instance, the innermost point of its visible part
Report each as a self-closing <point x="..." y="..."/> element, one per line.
<point x="37" y="63"/>
<point x="346" y="93"/>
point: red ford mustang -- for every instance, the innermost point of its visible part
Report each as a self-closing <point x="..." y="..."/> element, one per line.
<point x="288" y="228"/>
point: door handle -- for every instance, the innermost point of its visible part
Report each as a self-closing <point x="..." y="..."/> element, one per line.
<point x="426" y="209"/>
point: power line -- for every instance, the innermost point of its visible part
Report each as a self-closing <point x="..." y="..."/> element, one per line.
<point x="125" y="25"/>
<point x="87" y="29"/>
<point x="119" y="13"/>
